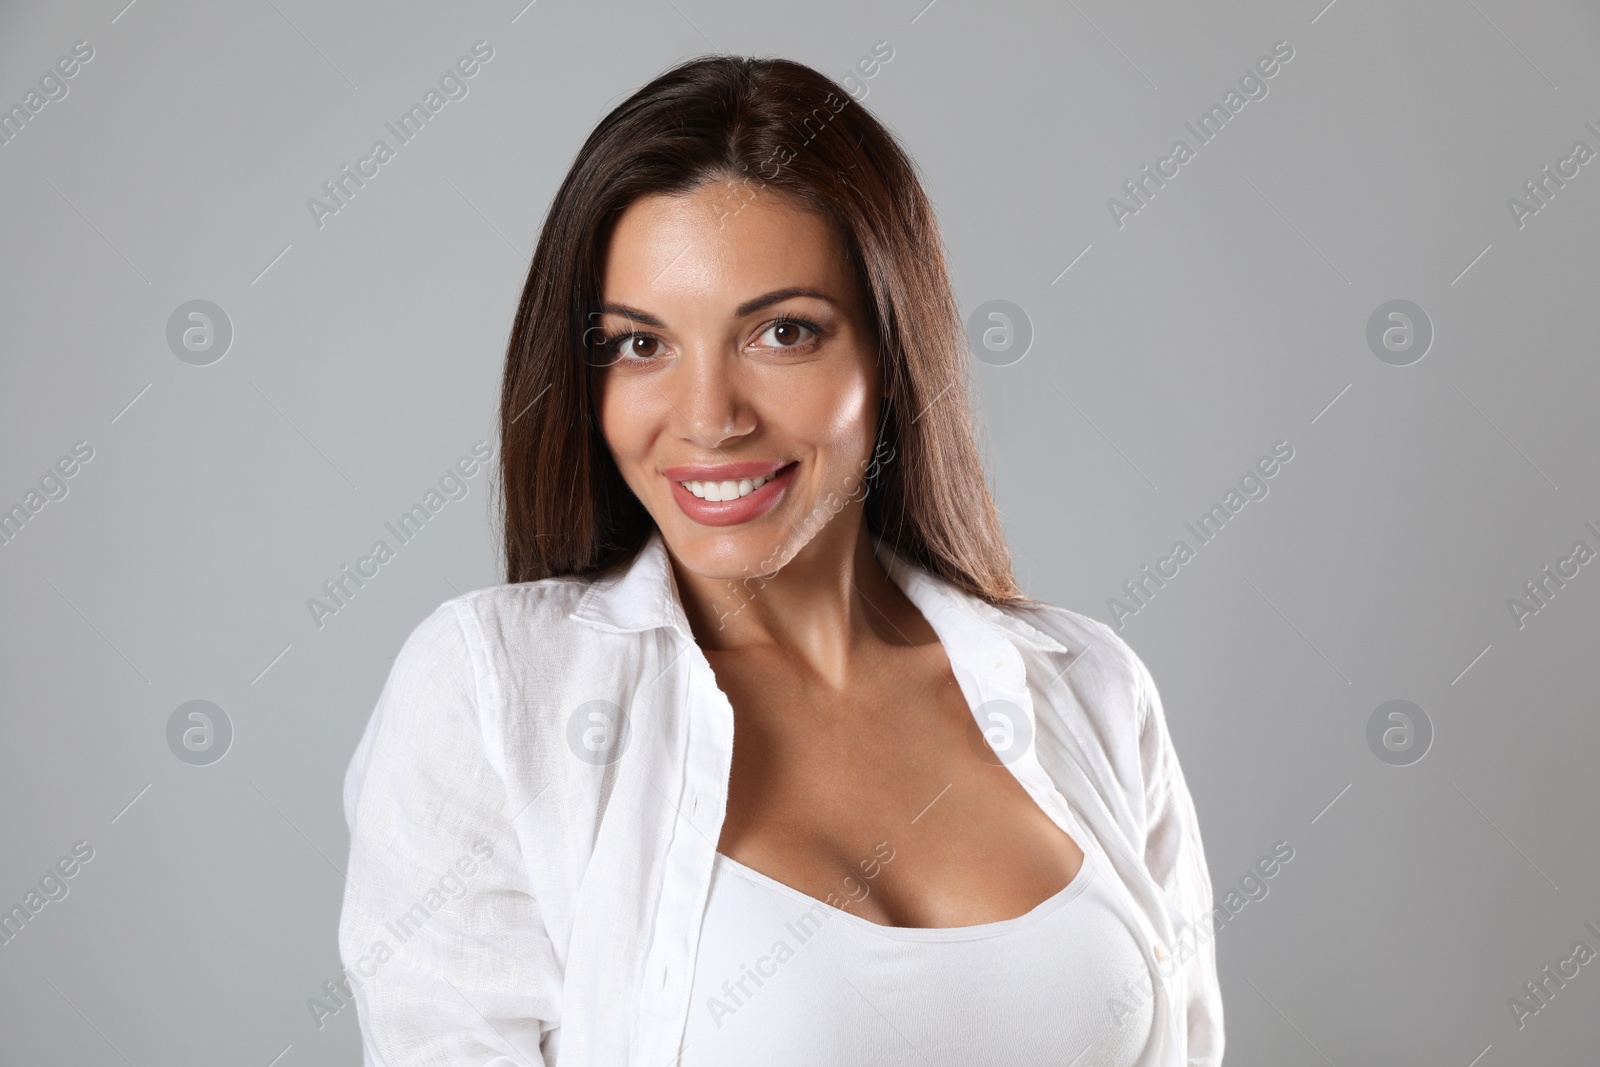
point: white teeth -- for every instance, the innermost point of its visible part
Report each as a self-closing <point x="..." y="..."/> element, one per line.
<point x="729" y="490"/>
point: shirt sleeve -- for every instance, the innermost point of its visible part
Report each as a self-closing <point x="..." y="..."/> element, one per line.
<point x="1176" y="860"/>
<point x="442" y="941"/>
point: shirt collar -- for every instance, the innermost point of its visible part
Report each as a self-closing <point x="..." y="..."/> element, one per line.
<point x="644" y="596"/>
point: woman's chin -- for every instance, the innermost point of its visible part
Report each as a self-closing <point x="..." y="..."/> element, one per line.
<point x="727" y="556"/>
<point x="731" y="553"/>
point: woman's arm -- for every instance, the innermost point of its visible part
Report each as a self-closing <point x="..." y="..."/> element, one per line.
<point x="443" y="943"/>
<point x="1176" y="860"/>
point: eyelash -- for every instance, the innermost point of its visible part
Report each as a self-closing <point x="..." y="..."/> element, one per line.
<point x="609" y="345"/>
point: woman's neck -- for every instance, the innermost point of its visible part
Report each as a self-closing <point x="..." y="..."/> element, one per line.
<point x="830" y="602"/>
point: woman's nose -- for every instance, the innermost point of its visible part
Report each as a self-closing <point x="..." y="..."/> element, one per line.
<point x="706" y="392"/>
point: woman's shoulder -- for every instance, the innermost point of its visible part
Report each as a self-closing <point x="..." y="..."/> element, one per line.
<point x="506" y="658"/>
<point x="1082" y="635"/>
<point x="548" y="600"/>
<point x="1109" y="683"/>
<point x="1101" y="696"/>
<point x="490" y="624"/>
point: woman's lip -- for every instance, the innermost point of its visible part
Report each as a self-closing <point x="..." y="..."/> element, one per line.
<point x="733" y="512"/>
<point x="726" y="472"/>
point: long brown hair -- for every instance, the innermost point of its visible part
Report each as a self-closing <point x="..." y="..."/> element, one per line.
<point x="778" y="125"/>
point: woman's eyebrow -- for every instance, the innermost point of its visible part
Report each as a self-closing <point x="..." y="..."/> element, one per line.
<point x="747" y="308"/>
<point x="750" y="306"/>
<point x="632" y="314"/>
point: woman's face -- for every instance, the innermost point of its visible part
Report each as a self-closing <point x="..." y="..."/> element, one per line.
<point x="740" y="391"/>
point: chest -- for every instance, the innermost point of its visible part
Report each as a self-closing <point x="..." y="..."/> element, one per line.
<point x="1066" y="980"/>
<point x="883" y="796"/>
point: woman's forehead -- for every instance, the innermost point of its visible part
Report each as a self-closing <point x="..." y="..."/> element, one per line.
<point x="679" y="249"/>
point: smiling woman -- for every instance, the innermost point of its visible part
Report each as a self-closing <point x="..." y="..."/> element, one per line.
<point x="694" y="388"/>
<point x="742" y="498"/>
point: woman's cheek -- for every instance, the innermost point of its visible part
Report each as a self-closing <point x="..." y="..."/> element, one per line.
<point x="841" y="409"/>
<point x="624" y="420"/>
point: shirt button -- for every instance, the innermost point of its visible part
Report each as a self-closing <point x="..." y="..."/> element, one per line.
<point x="1161" y="953"/>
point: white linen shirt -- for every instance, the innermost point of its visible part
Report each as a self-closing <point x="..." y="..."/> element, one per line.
<point x="530" y="863"/>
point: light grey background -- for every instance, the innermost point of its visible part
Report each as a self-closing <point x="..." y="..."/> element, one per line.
<point x="1228" y="314"/>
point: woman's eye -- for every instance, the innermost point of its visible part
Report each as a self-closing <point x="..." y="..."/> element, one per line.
<point x="789" y="334"/>
<point x="632" y="346"/>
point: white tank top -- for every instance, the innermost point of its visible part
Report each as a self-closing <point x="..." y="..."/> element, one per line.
<point x="783" y="980"/>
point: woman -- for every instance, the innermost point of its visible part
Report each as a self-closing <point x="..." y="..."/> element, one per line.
<point x="761" y="752"/>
